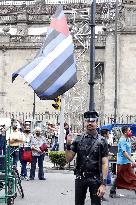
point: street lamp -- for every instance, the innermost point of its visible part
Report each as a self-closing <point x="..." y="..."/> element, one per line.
<point x="92" y="56"/>
<point x="116" y="65"/>
<point x="34" y="106"/>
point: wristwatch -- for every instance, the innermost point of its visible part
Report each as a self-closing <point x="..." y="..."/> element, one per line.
<point x="104" y="182"/>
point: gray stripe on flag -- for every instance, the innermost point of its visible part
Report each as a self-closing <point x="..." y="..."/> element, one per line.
<point x="69" y="84"/>
<point x="56" y="74"/>
<point x="58" y="11"/>
<point x="51" y="37"/>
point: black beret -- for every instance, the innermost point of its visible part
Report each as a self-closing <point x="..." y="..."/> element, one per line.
<point x="91" y="114"/>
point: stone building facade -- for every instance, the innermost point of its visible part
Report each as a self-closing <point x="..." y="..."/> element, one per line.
<point x="19" y="48"/>
<point x="126" y="61"/>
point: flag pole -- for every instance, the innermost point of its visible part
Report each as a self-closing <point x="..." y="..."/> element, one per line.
<point x="33" y="111"/>
<point x="61" y="136"/>
<point x="34" y="106"/>
<point x="116" y="65"/>
<point x="92" y="55"/>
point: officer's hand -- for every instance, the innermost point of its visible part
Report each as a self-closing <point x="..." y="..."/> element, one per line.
<point x="111" y="154"/>
<point x="69" y="138"/>
<point x="101" y="191"/>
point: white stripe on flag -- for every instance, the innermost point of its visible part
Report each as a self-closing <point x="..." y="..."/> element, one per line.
<point x="48" y="59"/>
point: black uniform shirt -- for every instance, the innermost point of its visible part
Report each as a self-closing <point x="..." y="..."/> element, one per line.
<point x="82" y="146"/>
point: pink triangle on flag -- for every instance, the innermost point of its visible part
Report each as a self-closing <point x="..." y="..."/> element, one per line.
<point x="60" y="25"/>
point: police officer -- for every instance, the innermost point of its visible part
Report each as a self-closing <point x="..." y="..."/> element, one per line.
<point x="92" y="161"/>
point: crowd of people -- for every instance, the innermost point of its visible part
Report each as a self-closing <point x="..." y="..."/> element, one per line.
<point x="91" y="148"/>
<point x="21" y="141"/>
<point x="22" y="138"/>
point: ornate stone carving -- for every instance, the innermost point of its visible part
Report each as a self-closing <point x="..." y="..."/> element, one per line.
<point x="6" y="29"/>
<point x="105" y="12"/>
<point x="128" y="1"/>
<point x="27" y="39"/>
<point x="35" y="41"/>
<point x="126" y="18"/>
<point x="22" y="29"/>
<point x="8" y="19"/>
<point x="129" y="17"/>
<point x="22" y="17"/>
<point x="38" y="18"/>
<point x="38" y="8"/>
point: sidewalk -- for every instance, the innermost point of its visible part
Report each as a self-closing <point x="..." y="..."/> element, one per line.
<point x="59" y="189"/>
<point x="61" y="186"/>
<point x="49" y="167"/>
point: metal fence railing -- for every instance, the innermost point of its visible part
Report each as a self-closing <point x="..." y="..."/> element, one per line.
<point x="75" y="120"/>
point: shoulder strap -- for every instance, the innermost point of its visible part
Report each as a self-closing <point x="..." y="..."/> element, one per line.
<point x="80" y="138"/>
<point x="94" y="146"/>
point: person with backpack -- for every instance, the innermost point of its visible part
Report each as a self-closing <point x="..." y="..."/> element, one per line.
<point x="91" y="163"/>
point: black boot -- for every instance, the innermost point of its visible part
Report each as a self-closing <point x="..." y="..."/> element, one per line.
<point x="112" y="194"/>
<point x="104" y="199"/>
<point x="113" y="190"/>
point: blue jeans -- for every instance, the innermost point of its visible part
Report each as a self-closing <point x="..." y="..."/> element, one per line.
<point x="40" y="165"/>
<point x="14" y="151"/>
<point x="109" y="175"/>
<point x="23" y="163"/>
<point x="23" y="168"/>
<point x="2" y="145"/>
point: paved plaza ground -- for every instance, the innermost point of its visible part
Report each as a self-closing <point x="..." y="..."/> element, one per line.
<point x="58" y="189"/>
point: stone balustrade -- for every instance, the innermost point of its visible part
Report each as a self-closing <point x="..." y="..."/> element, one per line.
<point x="38" y="8"/>
<point x="35" y="41"/>
<point x="42" y="18"/>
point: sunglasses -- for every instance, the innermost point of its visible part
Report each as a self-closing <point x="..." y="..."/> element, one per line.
<point x="90" y="120"/>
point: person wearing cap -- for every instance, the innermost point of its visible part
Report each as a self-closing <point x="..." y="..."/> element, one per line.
<point x="91" y="163"/>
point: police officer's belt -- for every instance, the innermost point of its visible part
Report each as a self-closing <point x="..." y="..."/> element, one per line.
<point x="90" y="174"/>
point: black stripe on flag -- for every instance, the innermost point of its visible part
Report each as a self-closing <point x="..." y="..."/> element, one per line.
<point x="69" y="84"/>
<point x="55" y="75"/>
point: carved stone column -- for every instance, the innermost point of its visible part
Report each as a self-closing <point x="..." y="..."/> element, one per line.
<point x="128" y="17"/>
<point x="126" y="62"/>
<point x="128" y="1"/>
<point x="22" y="27"/>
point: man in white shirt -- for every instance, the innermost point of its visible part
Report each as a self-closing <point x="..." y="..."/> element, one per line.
<point x="15" y="139"/>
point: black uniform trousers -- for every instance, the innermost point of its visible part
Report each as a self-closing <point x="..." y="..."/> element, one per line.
<point x="81" y="186"/>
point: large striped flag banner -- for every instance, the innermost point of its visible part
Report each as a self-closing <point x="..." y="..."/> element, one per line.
<point x="53" y="70"/>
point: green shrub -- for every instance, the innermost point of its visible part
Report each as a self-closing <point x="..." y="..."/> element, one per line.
<point x="58" y="158"/>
